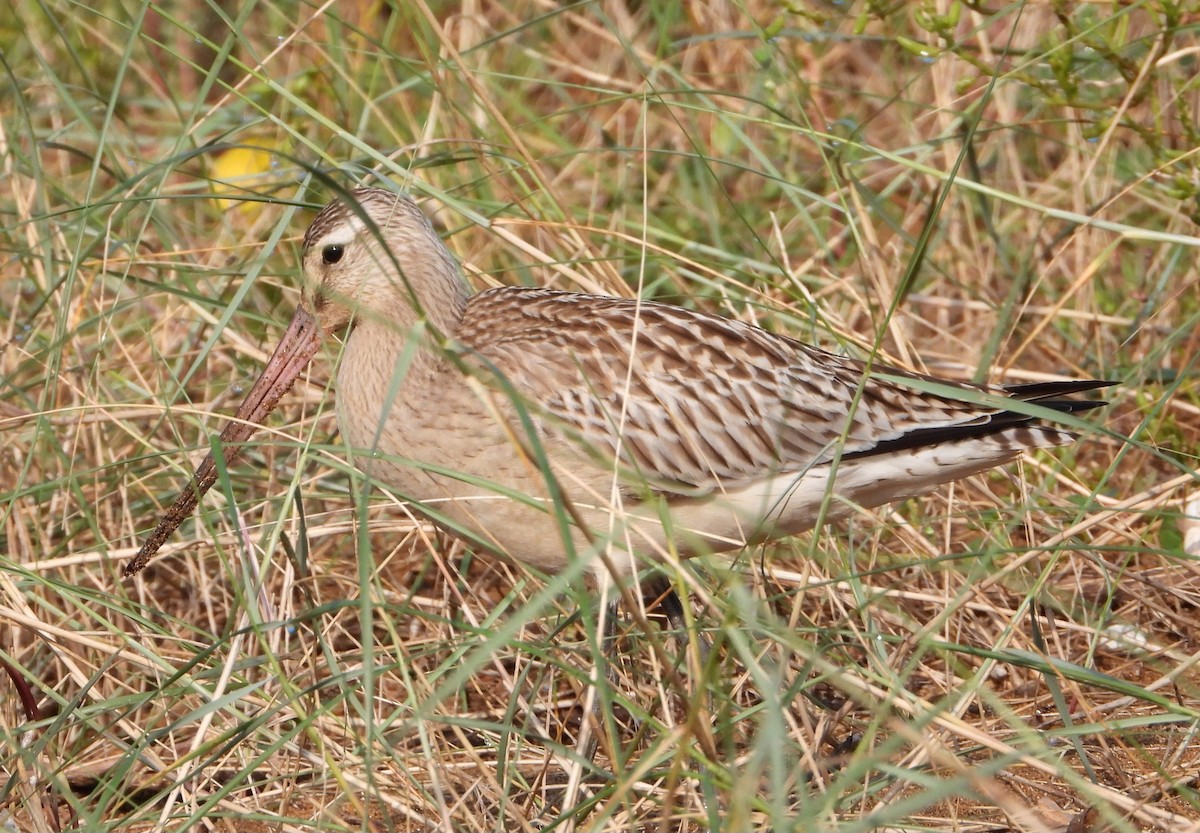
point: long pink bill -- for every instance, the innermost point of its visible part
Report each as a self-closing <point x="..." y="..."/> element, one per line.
<point x="295" y="351"/>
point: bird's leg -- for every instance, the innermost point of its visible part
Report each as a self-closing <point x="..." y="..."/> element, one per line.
<point x="663" y="595"/>
<point x="592" y="723"/>
<point x="658" y="591"/>
<point x="608" y="641"/>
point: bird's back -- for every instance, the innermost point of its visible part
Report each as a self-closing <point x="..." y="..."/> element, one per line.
<point x="696" y="402"/>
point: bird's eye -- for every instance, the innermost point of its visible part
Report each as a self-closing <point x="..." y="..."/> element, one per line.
<point x="332" y="254"/>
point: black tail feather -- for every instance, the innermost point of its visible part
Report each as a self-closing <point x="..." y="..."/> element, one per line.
<point x="1042" y="390"/>
<point x="1041" y="393"/>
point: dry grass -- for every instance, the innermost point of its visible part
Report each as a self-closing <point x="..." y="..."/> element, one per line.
<point x="1015" y="651"/>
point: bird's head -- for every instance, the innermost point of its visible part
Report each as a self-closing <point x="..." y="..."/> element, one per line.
<point x="371" y="258"/>
<point x="375" y="256"/>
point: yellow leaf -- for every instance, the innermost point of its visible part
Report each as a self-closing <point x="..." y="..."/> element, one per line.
<point x="240" y="170"/>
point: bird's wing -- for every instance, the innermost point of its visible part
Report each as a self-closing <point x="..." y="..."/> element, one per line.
<point x="695" y="402"/>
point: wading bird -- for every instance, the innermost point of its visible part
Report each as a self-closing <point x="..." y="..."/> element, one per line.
<point x="548" y="426"/>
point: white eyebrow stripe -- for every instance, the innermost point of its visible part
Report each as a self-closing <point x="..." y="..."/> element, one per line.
<point x="340" y="235"/>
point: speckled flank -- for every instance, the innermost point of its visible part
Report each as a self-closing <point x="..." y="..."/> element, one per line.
<point x="662" y="427"/>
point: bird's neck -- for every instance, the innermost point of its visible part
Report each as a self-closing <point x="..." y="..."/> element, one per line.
<point x="442" y="299"/>
<point x="388" y="368"/>
<point x="412" y="322"/>
<point x="430" y="292"/>
<point x="399" y="331"/>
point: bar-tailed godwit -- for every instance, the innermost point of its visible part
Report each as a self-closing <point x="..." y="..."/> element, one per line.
<point x="548" y="426"/>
